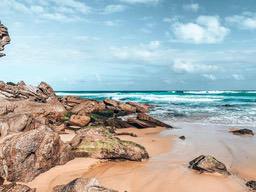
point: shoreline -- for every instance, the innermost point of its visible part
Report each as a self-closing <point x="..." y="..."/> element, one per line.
<point x="79" y="167"/>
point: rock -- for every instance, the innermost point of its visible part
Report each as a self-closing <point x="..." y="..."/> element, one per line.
<point x="82" y="185"/>
<point x="25" y="155"/>
<point x="87" y="107"/>
<point x="102" y="116"/>
<point x="46" y="89"/>
<point x="117" y="123"/>
<point x="127" y="108"/>
<point x="138" y="123"/>
<point x="208" y="164"/>
<point x="112" y="102"/>
<point x="4" y="38"/>
<point x="182" y="137"/>
<point x="251" y="185"/>
<point x="13" y="187"/>
<point x="242" y="132"/>
<point x="100" y="143"/>
<point x="70" y="101"/>
<point x="141" y="108"/>
<point x="79" y="120"/>
<point x="147" y="118"/>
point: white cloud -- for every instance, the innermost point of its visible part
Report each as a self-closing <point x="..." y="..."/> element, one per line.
<point x="187" y="66"/>
<point x="206" y="29"/>
<point x="112" y="23"/>
<point x="244" y="21"/>
<point x="238" y="77"/>
<point x="210" y="77"/>
<point x="114" y="9"/>
<point x="140" y="1"/>
<point x="191" y="7"/>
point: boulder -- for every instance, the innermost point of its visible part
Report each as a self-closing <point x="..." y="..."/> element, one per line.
<point x="242" y="132"/>
<point x="79" y="120"/>
<point x="13" y="187"/>
<point x="127" y="108"/>
<point x="87" y="107"/>
<point x="46" y="89"/>
<point x="117" y="123"/>
<point x="138" y="123"/>
<point x="147" y="118"/>
<point x="140" y="108"/>
<point x="82" y="185"/>
<point x="182" y="137"/>
<point x="208" y="164"/>
<point x="25" y="155"/>
<point x="100" y="143"/>
<point x="112" y="102"/>
<point x="4" y="38"/>
<point x="251" y="185"/>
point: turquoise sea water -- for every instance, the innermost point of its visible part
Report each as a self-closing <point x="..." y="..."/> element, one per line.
<point x="219" y="107"/>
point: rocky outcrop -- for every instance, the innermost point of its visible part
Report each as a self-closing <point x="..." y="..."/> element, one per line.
<point x="88" y="106"/>
<point x="79" y="120"/>
<point x="242" y="132"/>
<point x="13" y="187"/>
<point x="4" y="38"/>
<point x="25" y="155"/>
<point x="82" y="185"/>
<point x="152" y="121"/>
<point x="208" y="164"/>
<point x="251" y="185"/>
<point x="140" y="108"/>
<point x="100" y="143"/>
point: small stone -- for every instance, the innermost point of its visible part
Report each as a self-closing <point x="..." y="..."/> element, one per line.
<point x="251" y="185"/>
<point x="182" y="137"/>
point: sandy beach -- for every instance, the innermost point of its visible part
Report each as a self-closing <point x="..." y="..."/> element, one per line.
<point x="167" y="167"/>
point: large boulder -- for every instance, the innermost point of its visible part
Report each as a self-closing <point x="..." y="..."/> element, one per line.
<point x="87" y="107"/>
<point x="82" y="185"/>
<point x="251" y="185"/>
<point x="242" y="132"/>
<point x="79" y="120"/>
<point x="100" y="143"/>
<point x="150" y="120"/>
<point x="208" y="164"/>
<point x="4" y="38"/>
<point x="25" y="155"/>
<point x="13" y="187"/>
<point x="141" y="108"/>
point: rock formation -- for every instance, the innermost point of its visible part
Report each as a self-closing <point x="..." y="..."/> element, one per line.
<point x="82" y="185"/>
<point x="100" y="143"/>
<point x="251" y="185"/>
<point x="208" y="164"/>
<point x="13" y="187"/>
<point x="242" y="132"/>
<point x="25" y="155"/>
<point x="4" y="38"/>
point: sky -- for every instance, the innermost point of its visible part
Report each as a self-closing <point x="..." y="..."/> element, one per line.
<point x="131" y="44"/>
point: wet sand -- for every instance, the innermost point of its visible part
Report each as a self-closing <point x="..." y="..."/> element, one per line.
<point x="166" y="170"/>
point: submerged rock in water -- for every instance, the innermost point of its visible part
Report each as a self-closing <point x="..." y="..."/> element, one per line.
<point x="82" y="185"/>
<point x="242" y="132"/>
<point x="208" y="164"/>
<point x="13" y="187"/>
<point x="100" y="143"/>
<point x="251" y="185"/>
<point x="25" y="155"/>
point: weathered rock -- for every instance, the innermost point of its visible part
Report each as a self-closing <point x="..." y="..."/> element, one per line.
<point x="127" y="108"/>
<point x="182" y="137"/>
<point x="141" y="108"/>
<point x="208" y="164"/>
<point x="25" y="155"/>
<point x="139" y="124"/>
<point x="4" y="38"/>
<point x="100" y="143"/>
<point x="79" y="120"/>
<point x="87" y="107"/>
<point x="46" y="89"/>
<point x="13" y="187"/>
<point x="112" y="102"/>
<point x="117" y="123"/>
<point x="70" y="101"/>
<point x="147" y="118"/>
<point x="82" y="185"/>
<point x="242" y="132"/>
<point x="101" y="116"/>
<point x="251" y="185"/>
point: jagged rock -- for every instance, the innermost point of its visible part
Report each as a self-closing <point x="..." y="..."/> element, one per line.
<point x="208" y="164"/>
<point x="138" y="123"/>
<point x="127" y="108"/>
<point x="70" y="101"/>
<point x="141" y="108"/>
<point x="4" y="38"/>
<point x="13" y="187"/>
<point x="117" y="123"/>
<point x="112" y="102"/>
<point x="251" y="185"/>
<point x="100" y="143"/>
<point x="87" y="107"/>
<point x="25" y="155"/>
<point x="101" y="116"/>
<point x="79" y="120"/>
<point x="242" y="132"/>
<point x="46" y="89"/>
<point x="82" y="185"/>
<point x="147" y="118"/>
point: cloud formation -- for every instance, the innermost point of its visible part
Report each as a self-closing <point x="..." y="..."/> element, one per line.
<point x="244" y="21"/>
<point x="194" y="7"/>
<point x="206" y="29"/>
<point x="140" y="1"/>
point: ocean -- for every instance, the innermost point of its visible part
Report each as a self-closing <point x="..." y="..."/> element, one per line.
<point x="217" y="107"/>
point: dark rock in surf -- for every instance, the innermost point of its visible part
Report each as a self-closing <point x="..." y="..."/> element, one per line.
<point x="242" y="132"/>
<point x="251" y="185"/>
<point x="208" y="164"/>
<point x="182" y="137"/>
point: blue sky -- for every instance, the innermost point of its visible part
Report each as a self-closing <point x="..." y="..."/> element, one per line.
<point x="131" y="44"/>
